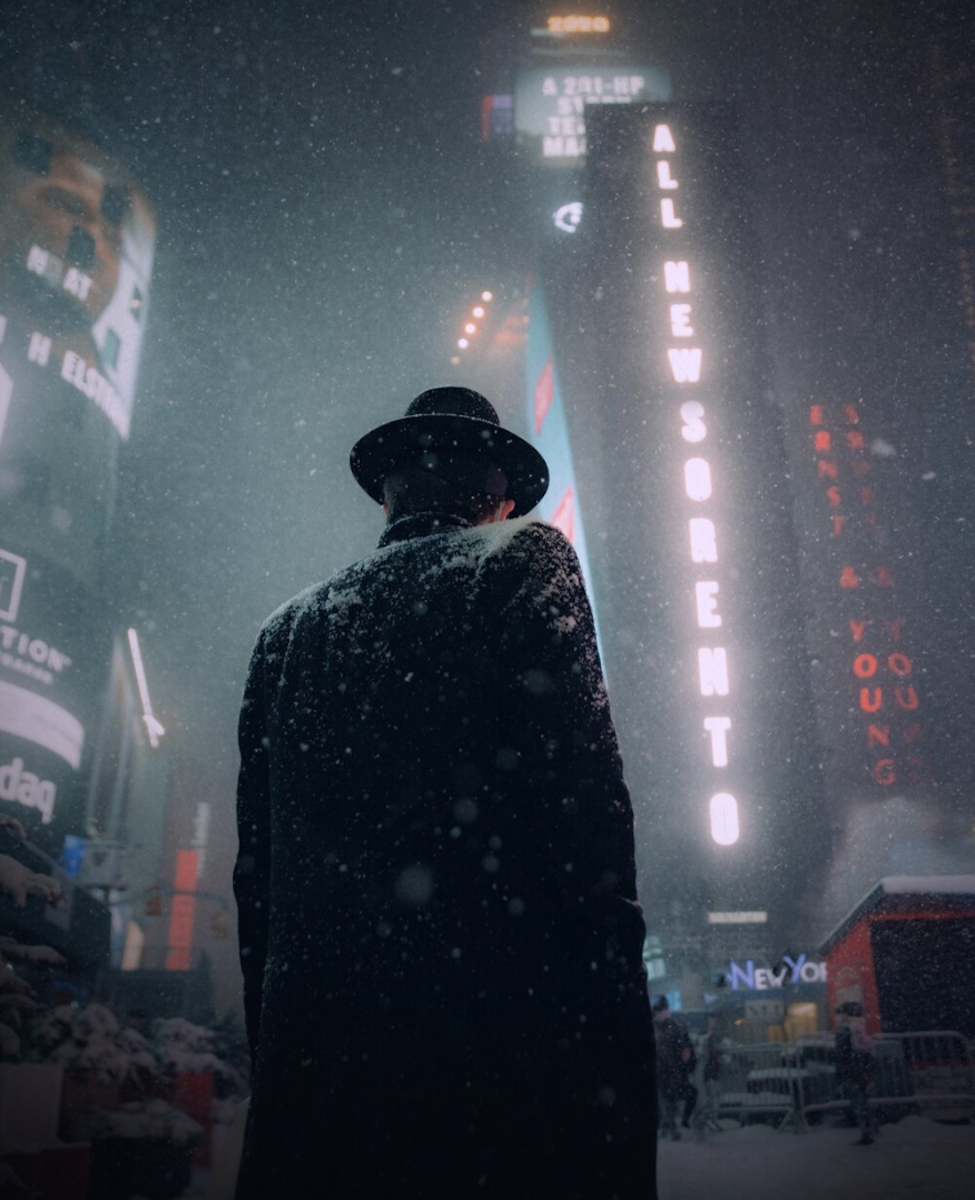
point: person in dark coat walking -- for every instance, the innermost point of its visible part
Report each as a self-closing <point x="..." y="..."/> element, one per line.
<point x="675" y="1068"/>
<point x="439" y="929"/>
<point x="856" y="1067"/>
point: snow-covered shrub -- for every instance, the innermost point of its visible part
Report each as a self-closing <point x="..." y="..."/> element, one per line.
<point x="91" y="1039"/>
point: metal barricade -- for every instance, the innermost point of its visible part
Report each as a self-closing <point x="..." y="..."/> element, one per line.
<point x="759" y="1081"/>
<point x="938" y="1069"/>
<point x="931" y="1071"/>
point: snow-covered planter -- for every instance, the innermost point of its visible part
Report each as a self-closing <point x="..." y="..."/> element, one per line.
<point x="186" y="1050"/>
<point x="103" y="1062"/>
<point x="152" y="1119"/>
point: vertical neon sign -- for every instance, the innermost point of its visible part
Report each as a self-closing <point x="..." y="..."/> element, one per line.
<point x="702" y="490"/>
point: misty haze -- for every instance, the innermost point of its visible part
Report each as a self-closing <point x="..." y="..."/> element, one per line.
<point x="598" y="380"/>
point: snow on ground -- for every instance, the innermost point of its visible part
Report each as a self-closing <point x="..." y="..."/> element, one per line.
<point x="913" y="1159"/>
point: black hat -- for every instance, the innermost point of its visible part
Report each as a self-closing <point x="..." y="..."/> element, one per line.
<point x="850" y="1008"/>
<point x="445" y="422"/>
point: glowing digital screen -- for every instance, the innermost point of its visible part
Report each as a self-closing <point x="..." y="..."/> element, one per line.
<point x="549" y="431"/>
<point x="27" y="715"/>
<point x="76" y="255"/>
<point x="550" y="103"/>
<point x="183" y="911"/>
<point x="77" y="238"/>
<point x="578" y="24"/>
<point x="757" y="917"/>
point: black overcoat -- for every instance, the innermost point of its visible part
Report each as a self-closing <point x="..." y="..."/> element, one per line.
<point x="439" y="929"/>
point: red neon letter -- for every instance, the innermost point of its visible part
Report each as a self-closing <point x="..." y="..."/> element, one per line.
<point x="900" y="664"/>
<point x="883" y="771"/>
<point x="849" y="578"/>
<point x="878" y="735"/>
<point x="906" y="698"/>
<point x="864" y="665"/>
<point x="871" y="701"/>
<point x="857" y="628"/>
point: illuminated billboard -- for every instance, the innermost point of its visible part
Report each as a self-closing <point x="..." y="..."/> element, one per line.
<point x="688" y="374"/>
<point x="871" y="696"/>
<point x="551" y="103"/>
<point x="54" y="654"/>
<point x="655" y="295"/>
<point x="549" y="432"/>
<point x="566" y="25"/>
<point x="76" y="248"/>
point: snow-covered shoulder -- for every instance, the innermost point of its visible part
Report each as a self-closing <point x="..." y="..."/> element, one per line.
<point x="286" y="612"/>
<point x="547" y="553"/>
<point x="338" y="592"/>
<point x="526" y="535"/>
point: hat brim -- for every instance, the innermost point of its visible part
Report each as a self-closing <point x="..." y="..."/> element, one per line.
<point x="401" y="441"/>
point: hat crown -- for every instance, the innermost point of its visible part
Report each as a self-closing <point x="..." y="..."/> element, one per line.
<point x="453" y="402"/>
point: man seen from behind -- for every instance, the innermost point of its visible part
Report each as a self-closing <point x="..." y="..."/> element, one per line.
<point x="439" y="929"/>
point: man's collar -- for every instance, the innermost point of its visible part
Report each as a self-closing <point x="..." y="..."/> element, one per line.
<point x="421" y="525"/>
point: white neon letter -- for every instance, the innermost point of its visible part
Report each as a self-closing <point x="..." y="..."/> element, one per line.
<point x="724" y="819"/>
<point x="707" y="604"/>
<point x="685" y="365"/>
<point x="718" y="727"/>
<point x="663" y="140"/>
<point x="665" y="181"/>
<point x="712" y="667"/>
<point x="39" y="349"/>
<point x="680" y="320"/>
<point x="668" y="218"/>
<point x="677" y="277"/>
<point x="704" y="543"/>
<point x="697" y="478"/>
<point x="693" y="429"/>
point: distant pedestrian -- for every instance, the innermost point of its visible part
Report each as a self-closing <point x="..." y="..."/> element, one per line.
<point x="676" y="1061"/>
<point x="711" y="1055"/>
<point x="856" y="1067"/>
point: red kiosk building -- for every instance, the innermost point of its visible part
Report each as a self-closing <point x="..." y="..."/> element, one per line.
<point x="906" y="952"/>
